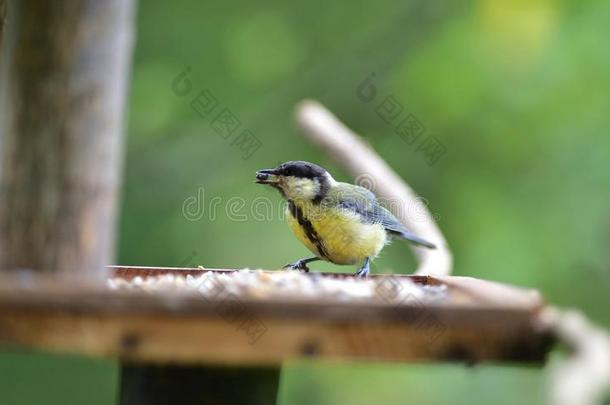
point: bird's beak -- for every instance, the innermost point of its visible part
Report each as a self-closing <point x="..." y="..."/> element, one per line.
<point x="267" y="176"/>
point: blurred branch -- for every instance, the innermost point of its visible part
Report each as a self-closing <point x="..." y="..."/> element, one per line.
<point x="583" y="378"/>
<point x="350" y="152"/>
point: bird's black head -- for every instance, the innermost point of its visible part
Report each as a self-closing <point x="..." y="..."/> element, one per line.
<point x="297" y="180"/>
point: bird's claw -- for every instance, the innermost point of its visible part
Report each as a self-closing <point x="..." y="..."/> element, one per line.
<point x="364" y="270"/>
<point x="362" y="273"/>
<point x="298" y="265"/>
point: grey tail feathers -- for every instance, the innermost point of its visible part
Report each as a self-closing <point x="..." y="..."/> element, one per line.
<point x="415" y="239"/>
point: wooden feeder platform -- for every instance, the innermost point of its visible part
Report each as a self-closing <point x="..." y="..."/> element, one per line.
<point x="186" y="336"/>
<point x="475" y="321"/>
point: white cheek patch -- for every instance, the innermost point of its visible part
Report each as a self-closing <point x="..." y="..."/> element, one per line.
<point x="306" y="189"/>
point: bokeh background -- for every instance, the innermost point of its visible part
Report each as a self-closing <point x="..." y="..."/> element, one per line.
<point x="518" y="92"/>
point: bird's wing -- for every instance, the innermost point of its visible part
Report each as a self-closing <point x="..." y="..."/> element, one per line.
<point x="364" y="203"/>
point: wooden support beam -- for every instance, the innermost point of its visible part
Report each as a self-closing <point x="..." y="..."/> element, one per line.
<point x="170" y="385"/>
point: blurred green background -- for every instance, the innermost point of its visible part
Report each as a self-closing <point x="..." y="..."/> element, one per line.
<point x="517" y="91"/>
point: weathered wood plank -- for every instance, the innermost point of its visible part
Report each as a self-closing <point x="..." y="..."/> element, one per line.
<point x="80" y="317"/>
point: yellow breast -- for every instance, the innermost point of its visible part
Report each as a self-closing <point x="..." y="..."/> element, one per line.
<point x="336" y="235"/>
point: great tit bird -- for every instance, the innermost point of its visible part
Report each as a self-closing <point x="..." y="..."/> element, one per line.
<point x="338" y="222"/>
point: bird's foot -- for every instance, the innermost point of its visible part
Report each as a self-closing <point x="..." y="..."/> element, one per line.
<point x="300" y="265"/>
<point x="364" y="270"/>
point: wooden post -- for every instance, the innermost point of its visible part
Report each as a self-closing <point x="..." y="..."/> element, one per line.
<point x="2" y="18"/>
<point x="64" y="76"/>
<point x="169" y="385"/>
<point x="64" y="73"/>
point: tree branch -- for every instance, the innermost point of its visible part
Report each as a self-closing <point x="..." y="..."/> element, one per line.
<point x="584" y="377"/>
